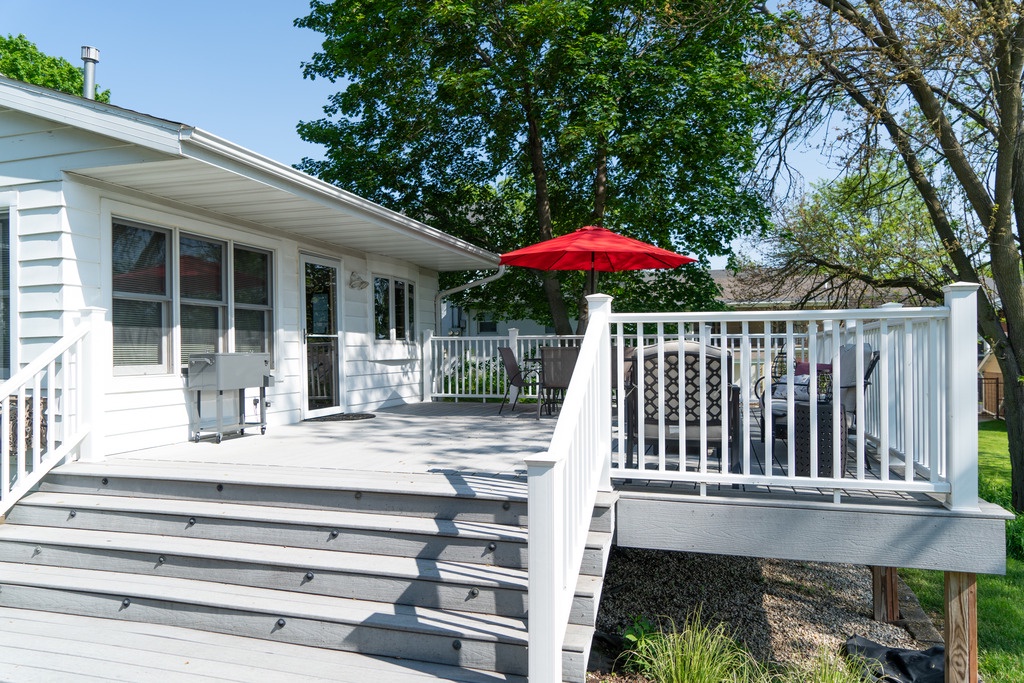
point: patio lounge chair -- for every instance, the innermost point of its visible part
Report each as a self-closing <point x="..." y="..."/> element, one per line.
<point x="681" y="406"/>
<point x="515" y="377"/>
<point x="556" y="366"/>
<point x="801" y="418"/>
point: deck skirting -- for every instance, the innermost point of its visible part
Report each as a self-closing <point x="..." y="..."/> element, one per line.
<point x="922" y="537"/>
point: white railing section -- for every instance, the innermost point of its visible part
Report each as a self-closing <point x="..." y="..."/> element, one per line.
<point x="470" y="368"/>
<point x="890" y="427"/>
<point x="563" y="485"/>
<point x="44" y="414"/>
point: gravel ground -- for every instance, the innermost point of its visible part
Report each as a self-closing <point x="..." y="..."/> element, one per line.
<point x="781" y="611"/>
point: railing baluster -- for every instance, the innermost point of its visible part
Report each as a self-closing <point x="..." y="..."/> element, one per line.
<point x="884" y="398"/>
<point x="938" y="391"/>
<point x="5" y="447"/>
<point x="661" y="392"/>
<point x="37" y="389"/>
<point x="908" y="400"/>
<point x="812" y="396"/>
<point x="745" y="390"/>
<point x="790" y="403"/>
<point x="19" y="438"/>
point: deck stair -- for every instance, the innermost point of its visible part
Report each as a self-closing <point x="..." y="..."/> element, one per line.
<point x="419" y="575"/>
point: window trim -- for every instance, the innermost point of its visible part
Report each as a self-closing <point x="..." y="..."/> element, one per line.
<point x="410" y="312"/>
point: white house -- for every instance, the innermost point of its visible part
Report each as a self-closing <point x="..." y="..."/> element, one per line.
<point x="130" y="243"/>
<point x="188" y="243"/>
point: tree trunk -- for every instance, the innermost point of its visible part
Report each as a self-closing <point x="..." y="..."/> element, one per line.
<point x="596" y="218"/>
<point x="552" y="287"/>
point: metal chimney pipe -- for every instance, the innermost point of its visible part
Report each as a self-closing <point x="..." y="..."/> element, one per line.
<point x="91" y="56"/>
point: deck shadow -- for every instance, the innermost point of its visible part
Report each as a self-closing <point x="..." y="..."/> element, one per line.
<point x="669" y="586"/>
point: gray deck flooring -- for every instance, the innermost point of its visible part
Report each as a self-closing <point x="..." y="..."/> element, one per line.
<point x="415" y="438"/>
<point x="416" y="441"/>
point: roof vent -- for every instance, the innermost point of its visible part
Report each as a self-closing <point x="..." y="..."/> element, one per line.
<point x="91" y="56"/>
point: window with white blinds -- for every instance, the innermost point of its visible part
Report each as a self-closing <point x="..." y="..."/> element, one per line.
<point x="217" y="288"/>
<point x="254" y="316"/>
<point x="142" y="297"/>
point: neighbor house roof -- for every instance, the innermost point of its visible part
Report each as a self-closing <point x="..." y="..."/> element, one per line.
<point x="190" y="167"/>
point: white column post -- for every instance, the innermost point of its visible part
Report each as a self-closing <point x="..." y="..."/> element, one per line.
<point x="546" y="570"/>
<point x="427" y="371"/>
<point x="961" y="400"/>
<point x="600" y="308"/>
<point x="96" y="364"/>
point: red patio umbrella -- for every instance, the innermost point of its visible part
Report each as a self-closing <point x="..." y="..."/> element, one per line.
<point x="594" y="248"/>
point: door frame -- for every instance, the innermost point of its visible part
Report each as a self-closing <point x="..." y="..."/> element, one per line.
<point x="339" y="375"/>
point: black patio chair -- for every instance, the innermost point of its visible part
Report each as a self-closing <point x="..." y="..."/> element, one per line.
<point x="515" y="377"/>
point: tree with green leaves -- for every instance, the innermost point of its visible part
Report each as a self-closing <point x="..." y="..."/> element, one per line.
<point x="506" y="122"/>
<point x="936" y="85"/>
<point x="20" y="59"/>
<point x="861" y="240"/>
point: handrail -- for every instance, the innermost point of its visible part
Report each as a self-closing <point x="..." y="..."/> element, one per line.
<point x="563" y="486"/>
<point x="43" y="414"/>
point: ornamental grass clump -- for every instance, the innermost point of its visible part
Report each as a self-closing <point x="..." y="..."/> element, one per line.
<point x="695" y="654"/>
<point x="702" y="654"/>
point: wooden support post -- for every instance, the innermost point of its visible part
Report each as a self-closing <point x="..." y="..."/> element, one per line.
<point x="885" y="590"/>
<point x="961" y="631"/>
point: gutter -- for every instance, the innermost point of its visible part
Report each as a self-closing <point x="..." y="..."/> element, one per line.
<point x="461" y="288"/>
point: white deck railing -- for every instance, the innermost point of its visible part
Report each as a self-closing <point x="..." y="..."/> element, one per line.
<point x="563" y="485"/>
<point x="44" y="414"/>
<point x="906" y="421"/>
<point x="470" y="368"/>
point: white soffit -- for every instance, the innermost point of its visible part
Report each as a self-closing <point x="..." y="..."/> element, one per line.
<point x="212" y="174"/>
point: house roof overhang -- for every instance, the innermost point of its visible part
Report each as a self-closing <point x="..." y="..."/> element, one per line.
<point x="191" y="168"/>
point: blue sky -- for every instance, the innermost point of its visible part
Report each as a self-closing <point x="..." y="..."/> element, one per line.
<point x="229" y="67"/>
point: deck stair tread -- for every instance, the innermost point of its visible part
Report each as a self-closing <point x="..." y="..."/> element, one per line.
<point x="278" y="515"/>
<point x="457" y="484"/>
<point x="306" y="559"/>
<point x="52" y="647"/>
<point x="427" y="566"/>
<point x="486" y="628"/>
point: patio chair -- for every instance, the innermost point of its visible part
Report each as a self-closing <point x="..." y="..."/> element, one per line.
<point x="556" y="366"/>
<point x="515" y="377"/>
<point x="680" y="406"/>
<point x="801" y="417"/>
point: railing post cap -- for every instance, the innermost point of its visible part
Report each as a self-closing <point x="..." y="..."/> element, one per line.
<point x="544" y="459"/>
<point x="961" y="287"/>
<point x="892" y="304"/>
<point x="599" y="298"/>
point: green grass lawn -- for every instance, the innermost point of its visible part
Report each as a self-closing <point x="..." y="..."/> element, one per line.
<point x="1000" y="598"/>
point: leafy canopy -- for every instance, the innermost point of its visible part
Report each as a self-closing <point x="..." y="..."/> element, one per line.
<point x="508" y="122"/>
<point x="21" y="60"/>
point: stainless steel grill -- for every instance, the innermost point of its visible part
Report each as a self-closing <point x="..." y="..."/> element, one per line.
<point x="222" y="372"/>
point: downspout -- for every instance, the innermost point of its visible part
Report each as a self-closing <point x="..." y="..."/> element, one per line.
<point x="456" y="290"/>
